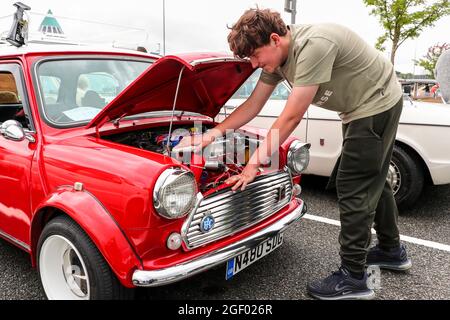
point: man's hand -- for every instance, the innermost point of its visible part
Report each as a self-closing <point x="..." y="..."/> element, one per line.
<point x="299" y="100"/>
<point x="243" y="179"/>
<point x="196" y="142"/>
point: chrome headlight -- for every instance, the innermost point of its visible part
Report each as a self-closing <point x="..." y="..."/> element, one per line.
<point x="174" y="193"/>
<point x="298" y="156"/>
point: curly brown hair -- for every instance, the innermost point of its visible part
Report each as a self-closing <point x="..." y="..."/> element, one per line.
<point x="253" y="30"/>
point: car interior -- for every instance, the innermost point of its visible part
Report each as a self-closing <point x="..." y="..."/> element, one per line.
<point x="11" y="107"/>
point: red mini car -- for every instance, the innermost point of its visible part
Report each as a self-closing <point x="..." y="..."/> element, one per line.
<point x="91" y="189"/>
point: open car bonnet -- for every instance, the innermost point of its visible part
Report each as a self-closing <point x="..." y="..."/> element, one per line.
<point x="207" y="82"/>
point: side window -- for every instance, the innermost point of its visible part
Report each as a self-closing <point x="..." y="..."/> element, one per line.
<point x="96" y="89"/>
<point x="11" y="104"/>
<point x="247" y="88"/>
<point x="279" y="93"/>
<point x="51" y="87"/>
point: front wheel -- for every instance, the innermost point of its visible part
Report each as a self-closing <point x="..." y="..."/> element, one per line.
<point x="406" y="177"/>
<point x="71" y="267"/>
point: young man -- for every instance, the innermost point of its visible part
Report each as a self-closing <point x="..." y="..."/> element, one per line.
<point x="331" y="67"/>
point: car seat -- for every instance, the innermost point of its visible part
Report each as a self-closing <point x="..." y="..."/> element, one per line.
<point x="92" y="99"/>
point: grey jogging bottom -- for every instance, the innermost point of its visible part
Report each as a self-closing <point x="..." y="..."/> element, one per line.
<point x="364" y="196"/>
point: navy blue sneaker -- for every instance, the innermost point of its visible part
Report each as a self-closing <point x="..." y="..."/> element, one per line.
<point x="393" y="259"/>
<point x="341" y="285"/>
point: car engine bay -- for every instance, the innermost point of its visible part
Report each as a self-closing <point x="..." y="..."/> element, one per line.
<point x="224" y="157"/>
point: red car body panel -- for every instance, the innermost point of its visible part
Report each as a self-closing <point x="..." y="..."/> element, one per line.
<point x="116" y="206"/>
<point x="16" y="159"/>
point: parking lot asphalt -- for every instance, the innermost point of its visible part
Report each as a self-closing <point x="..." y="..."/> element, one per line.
<point x="310" y="251"/>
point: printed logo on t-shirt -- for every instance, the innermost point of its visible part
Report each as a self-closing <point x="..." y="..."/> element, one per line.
<point x="324" y="98"/>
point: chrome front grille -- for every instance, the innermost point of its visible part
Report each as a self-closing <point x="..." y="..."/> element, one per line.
<point x="234" y="212"/>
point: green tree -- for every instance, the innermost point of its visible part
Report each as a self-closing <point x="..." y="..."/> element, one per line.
<point x="405" y="19"/>
<point x="428" y="62"/>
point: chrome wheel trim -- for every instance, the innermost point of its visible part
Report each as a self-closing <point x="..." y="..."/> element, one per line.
<point x="63" y="271"/>
<point x="394" y="177"/>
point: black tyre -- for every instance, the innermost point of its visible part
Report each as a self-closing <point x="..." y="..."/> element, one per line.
<point x="406" y="176"/>
<point x="71" y="267"/>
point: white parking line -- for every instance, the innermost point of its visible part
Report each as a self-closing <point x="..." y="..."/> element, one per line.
<point x="426" y="243"/>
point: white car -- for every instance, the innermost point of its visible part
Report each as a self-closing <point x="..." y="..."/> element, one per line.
<point x="421" y="153"/>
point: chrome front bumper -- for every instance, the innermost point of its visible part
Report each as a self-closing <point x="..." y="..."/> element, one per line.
<point x="154" y="278"/>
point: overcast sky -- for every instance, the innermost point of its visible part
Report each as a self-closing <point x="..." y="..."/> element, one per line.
<point x="200" y="25"/>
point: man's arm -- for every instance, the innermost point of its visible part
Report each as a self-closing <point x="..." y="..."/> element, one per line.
<point x="247" y="110"/>
<point x="296" y="106"/>
<point x="241" y="116"/>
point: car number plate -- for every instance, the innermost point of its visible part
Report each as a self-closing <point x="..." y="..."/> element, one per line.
<point x="245" y="259"/>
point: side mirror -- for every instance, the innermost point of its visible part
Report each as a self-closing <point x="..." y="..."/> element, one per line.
<point x="12" y="130"/>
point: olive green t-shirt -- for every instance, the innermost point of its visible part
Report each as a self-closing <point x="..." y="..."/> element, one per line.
<point x="354" y="79"/>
